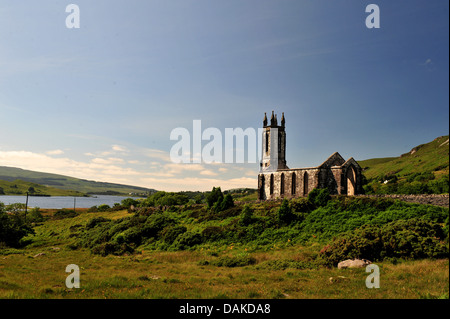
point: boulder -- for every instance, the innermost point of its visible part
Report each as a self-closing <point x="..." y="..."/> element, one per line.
<point x="355" y="263"/>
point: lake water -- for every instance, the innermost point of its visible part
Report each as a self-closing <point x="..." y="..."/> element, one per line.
<point x="58" y="202"/>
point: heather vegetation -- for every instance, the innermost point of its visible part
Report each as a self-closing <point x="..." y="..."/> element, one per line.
<point x="423" y="170"/>
<point x="215" y="246"/>
<point x="345" y="227"/>
<point x="415" y="183"/>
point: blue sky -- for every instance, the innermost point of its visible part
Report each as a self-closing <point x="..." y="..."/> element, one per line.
<point x="99" y="102"/>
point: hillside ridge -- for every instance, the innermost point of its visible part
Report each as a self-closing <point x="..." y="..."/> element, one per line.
<point x="63" y="182"/>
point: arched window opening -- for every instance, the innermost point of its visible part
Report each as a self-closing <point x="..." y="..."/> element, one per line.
<point x="293" y="184"/>
<point x="271" y="184"/>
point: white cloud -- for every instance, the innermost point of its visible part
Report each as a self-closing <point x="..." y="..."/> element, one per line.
<point x="109" y="160"/>
<point x="119" y="148"/>
<point x="55" y="152"/>
<point x="208" y="173"/>
<point x="135" y="162"/>
<point x="156" y="154"/>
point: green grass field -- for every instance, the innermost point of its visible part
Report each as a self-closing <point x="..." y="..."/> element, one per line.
<point x="193" y="273"/>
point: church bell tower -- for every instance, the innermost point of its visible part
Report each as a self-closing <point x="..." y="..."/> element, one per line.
<point x="273" y="145"/>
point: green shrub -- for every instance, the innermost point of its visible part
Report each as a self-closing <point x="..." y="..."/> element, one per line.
<point x="319" y="197"/>
<point x="170" y="233"/>
<point x="246" y="216"/>
<point x="13" y="227"/>
<point x="236" y="261"/>
<point x="227" y="202"/>
<point x="128" y="202"/>
<point x="301" y="205"/>
<point x="65" y="213"/>
<point x="215" y="196"/>
<point x="187" y="240"/>
<point x="157" y="222"/>
<point x="103" y="208"/>
<point x="212" y="233"/>
<point x="96" y="221"/>
<point x="412" y="238"/>
<point x="286" y="264"/>
<point x="285" y="215"/>
<point x="35" y="215"/>
<point x="112" y="248"/>
<point x="344" y="213"/>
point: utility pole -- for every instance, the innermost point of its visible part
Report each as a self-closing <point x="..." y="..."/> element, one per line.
<point x="26" y="207"/>
<point x="74" y="202"/>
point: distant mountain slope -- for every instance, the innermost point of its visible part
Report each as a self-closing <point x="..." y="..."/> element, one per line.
<point x="11" y="174"/>
<point x="19" y="187"/>
<point x="429" y="157"/>
<point x="424" y="169"/>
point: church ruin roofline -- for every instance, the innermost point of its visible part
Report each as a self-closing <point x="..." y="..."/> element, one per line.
<point x="297" y="169"/>
<point x="350" y="161"/>
<point x="329" y="160"/>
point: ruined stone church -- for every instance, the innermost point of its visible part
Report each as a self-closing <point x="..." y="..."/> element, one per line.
<point x="277" y="180"/>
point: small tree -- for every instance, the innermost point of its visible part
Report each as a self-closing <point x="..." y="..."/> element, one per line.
<point x="214" y="196"/>
<point x="128" y="202"/>
<point x="198" y="198"/>
<point x="227" y="202"/>
<point x="13" y="228"/>
<point x="246" y="216"/>
<point x="285" y="215"/>
<point x="319" y="197"/>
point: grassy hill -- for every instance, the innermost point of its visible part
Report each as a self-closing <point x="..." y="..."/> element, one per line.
<point x="426" y="164"/>
<point x="19" y="187"/>
<point x="54" y="184"/>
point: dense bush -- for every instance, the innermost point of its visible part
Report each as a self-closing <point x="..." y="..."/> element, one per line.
<point x="285" y="215"/>
<point x="170" y="233"/>
<point x="128" y="202"/>
<point x="301" y="205"/>
<point x="187" y="240"/>
<point x="13" y="227"/>
<point x="236" y="261"/>
<point x="112" y="248"/>
<point x="64" y="213"/>
<point x="227" y="202"/>
<point x="347" y="213"/>
<point x="417" y="183"/>
<point x="413" y="238"/>
<point x="266" y="225"/>
<point x="34" y="216"/>
<point x="214" y="196"/>
<point x="213" y="233"/>
<point x="96" y="221"/>
<point x="246" y="216"/>
<point x="277" y="264"/>
<point x="102" y="235"/>
<point x="217" y="202"/>
<point x="162" y="198"/>
<point x="319" y="197"/>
